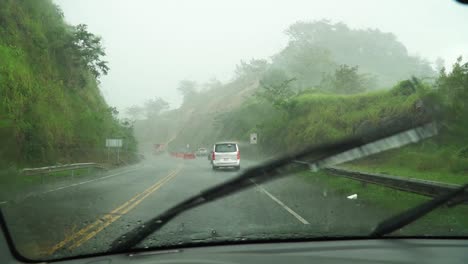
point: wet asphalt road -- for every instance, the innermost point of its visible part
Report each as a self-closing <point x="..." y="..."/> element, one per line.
<point x="83" y="216"/>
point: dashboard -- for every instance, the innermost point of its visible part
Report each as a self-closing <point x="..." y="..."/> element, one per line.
<point x="446" y="251"/>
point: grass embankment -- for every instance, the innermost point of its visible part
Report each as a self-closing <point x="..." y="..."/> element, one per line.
<point x="313" y="118"/>
<point x="14" y="182"/>
<point x="319" y="118"/>
<point x="444" y="157"/>
<point x="443" y="221"/>
<point x="51" y="109"/>
<point x="417" y="162"/>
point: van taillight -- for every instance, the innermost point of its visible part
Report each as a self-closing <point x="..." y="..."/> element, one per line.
<point x="238" y="154"/>
<point x="213" y="157"/>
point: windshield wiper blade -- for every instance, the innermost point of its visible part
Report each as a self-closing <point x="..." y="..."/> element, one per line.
<point x="323" y="155"/>
<point x="407" y="217"/>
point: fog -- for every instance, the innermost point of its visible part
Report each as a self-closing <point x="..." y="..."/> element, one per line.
<point x="152" y="45"/>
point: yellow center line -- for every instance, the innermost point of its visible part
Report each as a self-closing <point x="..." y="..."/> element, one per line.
<point x="124" y="211"/>
<point x="115" y="214"/>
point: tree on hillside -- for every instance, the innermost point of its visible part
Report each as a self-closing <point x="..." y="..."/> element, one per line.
<point x="453" y="89"/>
<point x="134" y="112"/>
<point x="187" y="88"/>
<point x="376" y="52"/>
<point x="306" y="62"/>
<point x="113" y="111"/>
<point x="345" y="80"/>
<point x="439" y="64"/>
<point x="154" y="107"/>
<point x="89" y="51"/>
<point x="276" y="88"/>
<point x="250" y="71"/>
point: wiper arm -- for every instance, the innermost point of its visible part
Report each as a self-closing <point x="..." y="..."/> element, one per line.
<point x="407" y="217"/>
<point x="323" y="155"/>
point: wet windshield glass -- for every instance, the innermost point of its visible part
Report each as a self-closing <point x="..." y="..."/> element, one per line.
<point x="113" y="111"/>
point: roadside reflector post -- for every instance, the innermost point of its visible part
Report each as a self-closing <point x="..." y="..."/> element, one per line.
<point x="253" y="142"/>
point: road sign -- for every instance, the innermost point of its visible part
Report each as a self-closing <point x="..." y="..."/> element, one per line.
<point x="113" y="143"/>
<point x="253" y="138"/>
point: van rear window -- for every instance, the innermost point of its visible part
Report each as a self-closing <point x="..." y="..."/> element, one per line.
<point x="225" y="148"/>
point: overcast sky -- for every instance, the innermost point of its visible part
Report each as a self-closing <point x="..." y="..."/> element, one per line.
<point x="152" y="45"/>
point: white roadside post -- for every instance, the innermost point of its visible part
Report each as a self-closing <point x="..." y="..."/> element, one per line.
<point x="253" y="138"/>
<point x="253" y="141"/>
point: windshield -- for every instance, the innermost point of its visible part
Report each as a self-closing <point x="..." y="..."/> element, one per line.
<point x="107" y="108"/>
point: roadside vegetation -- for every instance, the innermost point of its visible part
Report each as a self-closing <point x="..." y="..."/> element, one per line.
<point x="51" y="109"/>
<point x="311" y="117"/>
<point x="445" y="157"/>
<point x="446" y="220"/>
<point x="321" y="59"/>
<point x="330" y="82"/>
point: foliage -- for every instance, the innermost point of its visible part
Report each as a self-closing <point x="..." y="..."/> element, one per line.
<point x="312" y="92"/>
<point x="44" y="117"/>
<point x="375" y="52"/>
<point x="89" y="51"/>
<point x="453" y="91"/>
<point x="153" y="107"/>
<point x="188" y="89"/>
<point x="443" y="158"/>
<point x="250" y="71"/>
<point x="305" y="62"/>
<point x="275" y="88"/>
<point x="313" y="118"/>
<point x="134" y="112"/>
<point x="346" y="80"/>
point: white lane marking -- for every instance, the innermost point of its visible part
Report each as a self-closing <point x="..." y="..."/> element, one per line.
<point x="84" y="182"/>
<point x="285" y="207"/>
<point x="3" y="202"/>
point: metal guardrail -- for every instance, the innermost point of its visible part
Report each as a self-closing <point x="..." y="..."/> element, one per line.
<point x="57" y="168"/>
<point x="417" y="186"/>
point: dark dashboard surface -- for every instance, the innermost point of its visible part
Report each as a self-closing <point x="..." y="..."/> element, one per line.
<point x="349" y="251"/>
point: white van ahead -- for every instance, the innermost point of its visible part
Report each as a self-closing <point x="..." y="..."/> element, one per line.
<point x="225" y="154"/>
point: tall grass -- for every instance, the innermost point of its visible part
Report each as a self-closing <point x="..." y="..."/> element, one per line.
<point x="314" y="118"/>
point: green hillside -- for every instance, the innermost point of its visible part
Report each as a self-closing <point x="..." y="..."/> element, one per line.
<point x="314" y="118"/>
<point x="323" y="66"/>
<point x="330" y="82"/>
<point x="288" y="124"/>
<point x="51" y="108"/>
